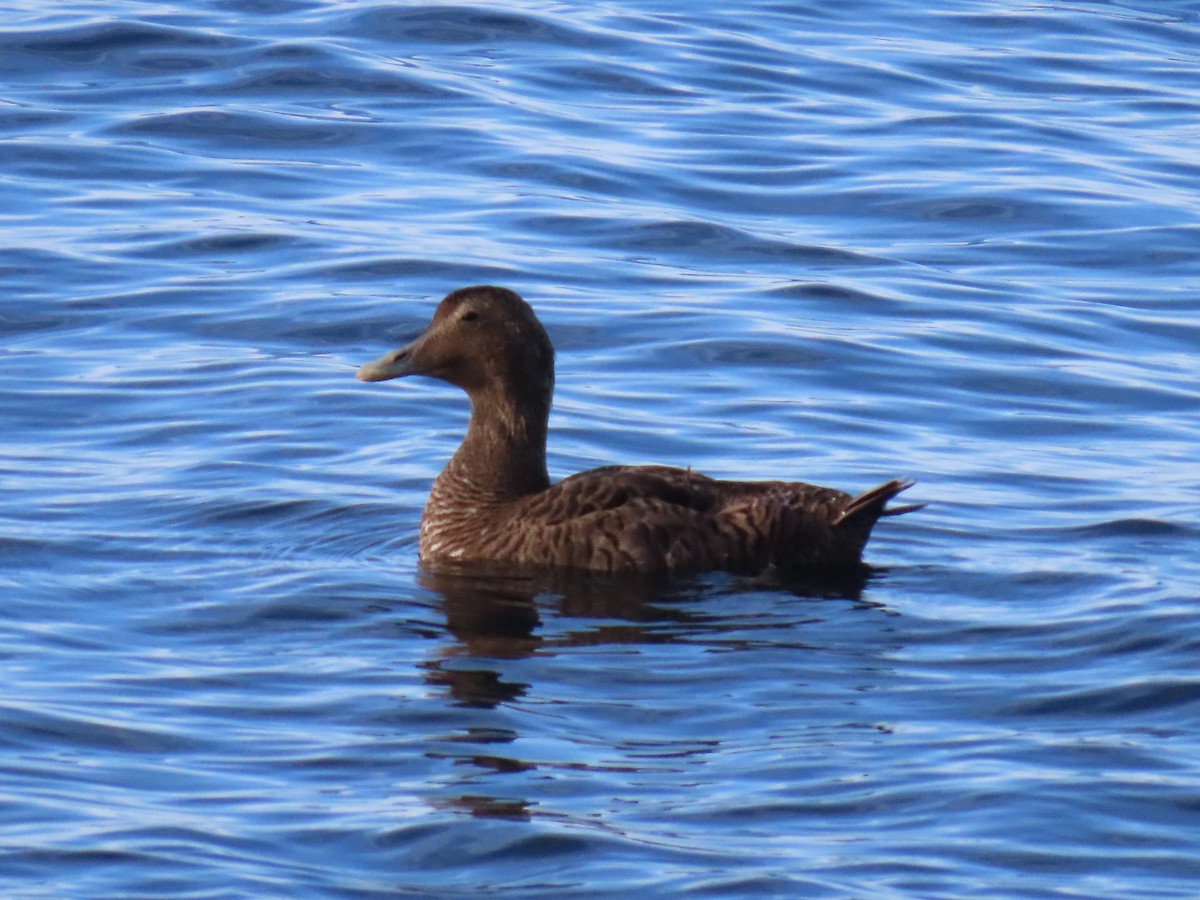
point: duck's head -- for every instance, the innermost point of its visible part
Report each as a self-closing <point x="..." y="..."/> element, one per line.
<point x="483" y="339"/>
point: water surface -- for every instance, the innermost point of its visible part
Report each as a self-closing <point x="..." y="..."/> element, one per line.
<point x="837" y="244"/>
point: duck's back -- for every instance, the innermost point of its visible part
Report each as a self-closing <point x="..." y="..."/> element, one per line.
<point x="625" y="519"/>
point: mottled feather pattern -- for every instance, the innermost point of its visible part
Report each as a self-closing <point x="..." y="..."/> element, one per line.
<point x="494" y="502"/>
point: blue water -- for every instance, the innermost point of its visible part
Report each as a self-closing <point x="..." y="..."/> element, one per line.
<point x="833" y="242"/>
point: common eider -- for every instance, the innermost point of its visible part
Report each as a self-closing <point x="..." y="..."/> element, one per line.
<point x="493" y="502"/>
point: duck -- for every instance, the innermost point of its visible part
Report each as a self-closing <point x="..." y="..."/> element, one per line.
<point x="494" y="502"/>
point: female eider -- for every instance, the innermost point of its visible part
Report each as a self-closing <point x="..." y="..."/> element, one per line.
<point x="494" y="501"/>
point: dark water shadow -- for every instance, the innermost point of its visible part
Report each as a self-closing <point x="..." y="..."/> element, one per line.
<point x="493" y="612"/>
<point x="496" y="614"/>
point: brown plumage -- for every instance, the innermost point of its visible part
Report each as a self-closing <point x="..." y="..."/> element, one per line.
<point x="494" y="501"/>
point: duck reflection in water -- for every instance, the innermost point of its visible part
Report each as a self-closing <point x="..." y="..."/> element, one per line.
<point x="494" y="614"/>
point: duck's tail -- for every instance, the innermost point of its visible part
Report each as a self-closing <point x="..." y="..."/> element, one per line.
<point x="870" y="505"/>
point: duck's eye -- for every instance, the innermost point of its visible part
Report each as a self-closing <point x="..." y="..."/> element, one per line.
<point x="469" y="316"/>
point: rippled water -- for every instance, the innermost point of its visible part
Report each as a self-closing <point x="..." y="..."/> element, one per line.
<point x="832" y="242"/>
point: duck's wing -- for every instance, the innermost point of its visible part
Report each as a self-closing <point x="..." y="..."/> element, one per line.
<point x="657" y="518"/>
<point x="617" y="519"/>
<point x="614" y="487"/>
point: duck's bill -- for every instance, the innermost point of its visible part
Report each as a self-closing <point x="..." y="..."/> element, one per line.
<point x="395" y="364"/>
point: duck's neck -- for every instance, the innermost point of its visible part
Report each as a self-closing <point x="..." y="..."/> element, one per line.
<point x="503" y="456"/>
